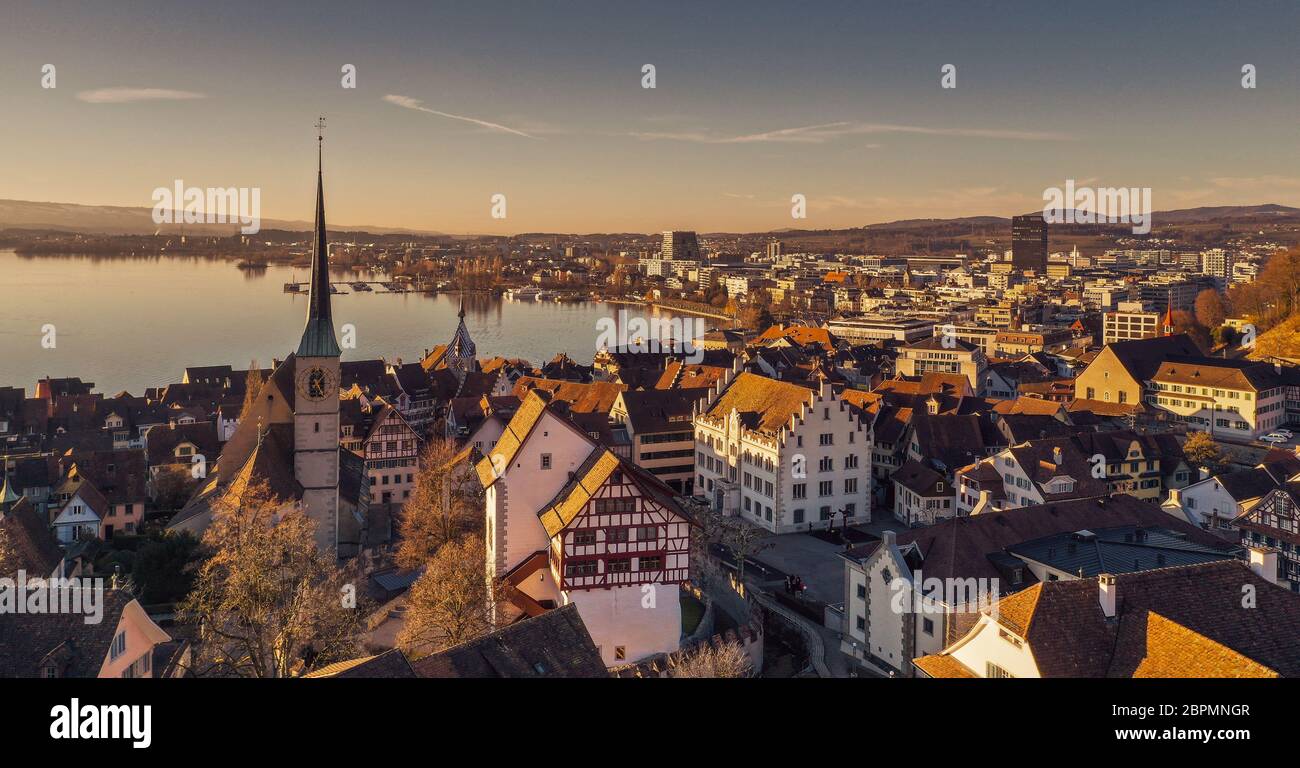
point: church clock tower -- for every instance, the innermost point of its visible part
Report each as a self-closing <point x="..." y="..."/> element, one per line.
<point x="316" y="389"/>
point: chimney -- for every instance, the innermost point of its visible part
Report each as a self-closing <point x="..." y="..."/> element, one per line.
<point x="1056" y="455"/>
<point x="1107" y="591"/>
<point x="1263" y="561"/>
<point x="1203" y="473"/>
<point x="888" y="540"/>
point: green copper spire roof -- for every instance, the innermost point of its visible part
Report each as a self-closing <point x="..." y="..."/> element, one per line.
<point x="318" y="338"/>
<point x="7" y="494"/>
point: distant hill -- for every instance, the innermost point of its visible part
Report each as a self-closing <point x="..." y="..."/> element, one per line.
<point x="122" y="220"/>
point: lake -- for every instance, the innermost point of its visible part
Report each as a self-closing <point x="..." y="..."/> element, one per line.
<point x="132" y="323"/>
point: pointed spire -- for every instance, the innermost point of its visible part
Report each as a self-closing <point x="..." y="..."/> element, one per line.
<point x="461" y="314"/>
<point x="318" y="338"/>
<point x="7" y="494"/>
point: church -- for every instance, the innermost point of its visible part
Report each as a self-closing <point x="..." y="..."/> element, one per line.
<point x="290" y="440"/>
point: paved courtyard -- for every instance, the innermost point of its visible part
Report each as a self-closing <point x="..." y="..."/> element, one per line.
<point x="816" y="560"/>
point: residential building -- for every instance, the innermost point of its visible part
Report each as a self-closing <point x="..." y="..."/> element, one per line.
<point x="1131" y="320"/>
<point x="1188" y="621"/>
<point x="1120" y="372"/>
<point x="888" y="622"/>
<point x="1235" y="399"/>
<point x="942" y="355"/>
<point x="125" y="642"/>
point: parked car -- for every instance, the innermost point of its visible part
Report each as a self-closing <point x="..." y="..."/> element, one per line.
<point x="1275" y="437"/>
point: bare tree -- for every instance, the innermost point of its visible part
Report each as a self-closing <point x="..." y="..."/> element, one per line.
<point x="446" y="503"/>
<point x="714" y="527"/>
<point x="728" y="659"/>
<point x="743" y="539"/>
<point x="267" y="601"/>
<point x="252" y="388"/>
<point x="452" y="602"/>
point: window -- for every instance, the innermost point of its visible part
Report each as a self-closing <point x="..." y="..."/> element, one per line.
<point x="862" y="591"/>
<point x="620" y="653"/>
<point x="647" y="533"/>
<point x="652" y="563"/>
<point x="616" y="535"/>
<point x="619" y="565"/>
<point x="581" y="568"/>
<point x="798" y="516"/>
<point x="799" y="490"/>
<point x="993" y="670"/>
<point x="927" y="626"/>
<point x="546" y="461"/>
<point x="826" y="439"/>
<point x="583" y="538"/>
<point x="615" y="506"/>
<point x="824" y="488"/>
<point x="118" y="647"/>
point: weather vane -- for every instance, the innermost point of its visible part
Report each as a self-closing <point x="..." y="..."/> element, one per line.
<point x="320" y="141"/>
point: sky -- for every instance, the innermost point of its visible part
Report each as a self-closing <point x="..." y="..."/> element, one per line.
<point x="754" y="102"/>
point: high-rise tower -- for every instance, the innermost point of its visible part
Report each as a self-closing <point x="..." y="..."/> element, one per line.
<point x="1029" y="243"/>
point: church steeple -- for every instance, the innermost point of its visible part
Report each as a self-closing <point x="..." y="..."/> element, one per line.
<point x="461" y="354"/>
<point x="318" y="338"/>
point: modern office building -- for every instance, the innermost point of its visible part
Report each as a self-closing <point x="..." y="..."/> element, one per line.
<point x="1029" y="242"/>
<point x="680" y="246"/>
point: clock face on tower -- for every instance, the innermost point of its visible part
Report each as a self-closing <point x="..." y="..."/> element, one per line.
<point x="315" y="383"/>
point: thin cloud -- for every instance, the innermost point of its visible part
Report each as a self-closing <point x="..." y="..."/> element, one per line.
<point x="121" y="95"/>
<point x="819" y="134"/>
<point x="1253" y="182"/>
<point x="409" y="103"/>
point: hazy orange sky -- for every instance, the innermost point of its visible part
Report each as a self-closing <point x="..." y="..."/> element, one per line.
<point x="755" y="102"/>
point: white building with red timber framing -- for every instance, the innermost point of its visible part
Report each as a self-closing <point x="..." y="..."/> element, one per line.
<point x="568" y="521"/>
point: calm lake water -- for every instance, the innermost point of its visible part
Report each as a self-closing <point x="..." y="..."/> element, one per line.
<point x="127" y="324"/>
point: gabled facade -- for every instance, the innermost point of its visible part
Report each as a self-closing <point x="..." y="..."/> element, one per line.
<point x="782" y="456"/>
<point x="391" y="450"/>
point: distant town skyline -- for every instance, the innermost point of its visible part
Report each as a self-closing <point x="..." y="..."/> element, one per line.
<point x="753" y="103"/>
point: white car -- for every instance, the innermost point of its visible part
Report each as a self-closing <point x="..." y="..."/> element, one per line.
<point x="1288" y="434"/>
<point x="1274" y="437"/>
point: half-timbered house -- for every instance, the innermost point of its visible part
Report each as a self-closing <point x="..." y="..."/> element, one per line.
<point x="571" y="522"/>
